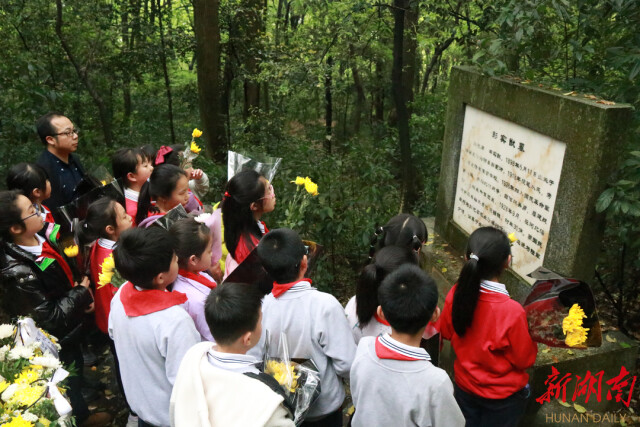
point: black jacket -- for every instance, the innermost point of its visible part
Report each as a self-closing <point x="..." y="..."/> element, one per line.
<point x="46" y="296"/>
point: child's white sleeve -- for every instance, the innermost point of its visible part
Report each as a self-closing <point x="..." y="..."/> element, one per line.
<point x="280" y="418"/>
<point x="181" y="335"/>
<point x="335" y="337"/>
<point x="444" y="409"/>
<point x="200" y="186"/>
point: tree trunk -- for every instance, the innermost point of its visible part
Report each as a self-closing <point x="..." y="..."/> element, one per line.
<point x="378" y="95"/>
<point x="251" y="29"/>
<point x="397" y="87"/>
<point x="437" y="53"/>
<point x="328" y="115"/>
<point x="126" y="77"/>
<point x="82" y="72"/>
<point x="165" y="72"/>
<point x="207" y="33"/>
<point x="409" y="55"/>
<point x="360" y="97"/>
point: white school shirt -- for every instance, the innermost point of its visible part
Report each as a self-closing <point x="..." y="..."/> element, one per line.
<point x="150" y="349"/>
<point x="317" y="329"/>
<point x="389" y="392"/>
<point x="372" y="329"/>
<point x="232" y="362"/>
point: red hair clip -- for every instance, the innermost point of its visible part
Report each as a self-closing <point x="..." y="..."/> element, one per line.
<point x="163" y="151"/>
<point x="226" y="194"/>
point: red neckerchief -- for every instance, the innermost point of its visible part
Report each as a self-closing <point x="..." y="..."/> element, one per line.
<point x="384" y="352"/>
<point x="49" y="252"/>
<point x="380" y="319"/>
<point x="281" y="288"/>
<point x="197" y="278"/>
<point x="139" y="303"/>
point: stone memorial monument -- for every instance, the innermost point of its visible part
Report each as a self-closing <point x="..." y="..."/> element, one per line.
<point x="530" y="161"/>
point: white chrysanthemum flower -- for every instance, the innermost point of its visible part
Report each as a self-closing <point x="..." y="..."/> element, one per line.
<point x="20" y="351"/>
<point x="202" y="218"/>
<point x="3" y="352"/>
<point x="28" y="416"/>
<point x="47" y="361"/>
<point x="6" y="331"/>
<point x="5" y="417"/>
<point x="6" y="395"/>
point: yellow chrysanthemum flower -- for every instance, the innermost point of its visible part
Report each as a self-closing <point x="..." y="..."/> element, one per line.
<point x="45" y="422"/>
<point x="512" y="237"/>
<point x="27" y="376"/>
<point x="283" y="374"/>
<point x="108" y="267"/>
<point x="27" y="395"/>
<point x="197" y="133"/>
<point x="3" y="386"/>
<point x="103" y="182"/>
<point x="299" y="180"/>
<point x="18" y="422"/>
<point x="71" y="251"/>
<point x="195" y="148"/>
<point x="572" y="327"/>
<point x="311" y="187"/>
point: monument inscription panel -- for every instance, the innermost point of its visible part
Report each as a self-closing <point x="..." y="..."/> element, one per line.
<point x="508" y="177"/>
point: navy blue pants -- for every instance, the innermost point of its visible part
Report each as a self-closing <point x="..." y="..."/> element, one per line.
<point x="481" y="412"/>
<point x="333" y="419"/>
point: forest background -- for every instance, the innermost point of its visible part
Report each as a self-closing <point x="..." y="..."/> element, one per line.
<point x="351" y="93"/>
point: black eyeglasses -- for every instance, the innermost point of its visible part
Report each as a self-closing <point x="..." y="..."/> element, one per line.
<point x="68" y="132"/>
<point x="37" y="212"/>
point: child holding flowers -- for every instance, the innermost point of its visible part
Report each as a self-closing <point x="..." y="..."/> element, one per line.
<point x="194" y="259"/>
<point x="490" y="335"/>
<point x="168" y="186"/>
<point x="248" y="196"/>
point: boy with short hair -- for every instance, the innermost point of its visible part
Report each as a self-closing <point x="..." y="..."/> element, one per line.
<point x="210" y="389"/>
<point x="150" y="329"/>
<point x="393" y="382"/>
<point x="133" y="168"/>
<point x="313" y="322"/>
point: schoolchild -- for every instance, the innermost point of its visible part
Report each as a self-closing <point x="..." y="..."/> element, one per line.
<point x="393" y="382"/>
<point x="490" y="335"/>
<point x="220" y="385"/>
<point x="247" y="197"/>
<point x="361" y="310"/>
<point x="198" y="180"/>
<point x="106" y="220"/>
<point x="149" y="153"/>
<point x="313" y="322"/>
<point x="404" y="230"/>
<point x="167" y="187"/>
<point x="194" y="259"/>
<point x="131" y="166"/>
<point x="150" y="328"/>
<point x="38" y="282"/>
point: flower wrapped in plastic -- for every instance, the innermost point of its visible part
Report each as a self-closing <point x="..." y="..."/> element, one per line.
<point x="561" y="312"/>
<point x="299" y="379"/>
<point x="191" y="150"/>
<point x="30" y="373"/>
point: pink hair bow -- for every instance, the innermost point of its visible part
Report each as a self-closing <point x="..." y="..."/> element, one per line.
<point x="163" y="151"/>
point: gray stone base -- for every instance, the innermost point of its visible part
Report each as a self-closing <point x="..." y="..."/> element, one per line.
<point x="444" y="265"/>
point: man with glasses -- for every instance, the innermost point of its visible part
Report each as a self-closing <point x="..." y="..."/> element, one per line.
<point x="60" y="138"/>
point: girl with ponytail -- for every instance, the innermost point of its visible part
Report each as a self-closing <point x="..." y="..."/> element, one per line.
<point x="106" y="220"/>
<point x="490" y="335"/>
<point x="168" y="186"/>
<point x="247" y="197"/>
<point x="404" y="230"/>
<point x="361" y="309"/>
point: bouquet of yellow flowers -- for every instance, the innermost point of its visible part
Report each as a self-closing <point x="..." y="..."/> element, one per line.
<point x="191" y="150"/>
<point x="30" y="374"/>
<point x="299" y="379"/>
<point x="295" y="211"/>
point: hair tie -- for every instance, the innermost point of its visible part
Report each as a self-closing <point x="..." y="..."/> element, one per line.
<point x="474" y="256"/>
<point x="85" y="225"/>
<point x="163" y="151"/>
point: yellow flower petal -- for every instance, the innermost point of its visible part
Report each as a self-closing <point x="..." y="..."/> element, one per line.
<point x="197" y="133"/>
<point x="311" y="187"/>
<point x="195" y="148"/>
<point x="512" y="237"/>
<point x="299" y="180"/>
<point x="71" y="251"/>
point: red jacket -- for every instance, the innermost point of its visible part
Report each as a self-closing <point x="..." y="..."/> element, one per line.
<point x="493" y="354"/>
<point x="103" y="294"/>
<point x="131" y="207"/>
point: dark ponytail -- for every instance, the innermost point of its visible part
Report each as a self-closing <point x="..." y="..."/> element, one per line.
<point x="386" y="260"/>
<point x="161" y="183"/>
<point x="403" y="230"/>
<point x="487" y="252"/>
<point x="244" y="188"/>
<point x="100" y="214"/>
